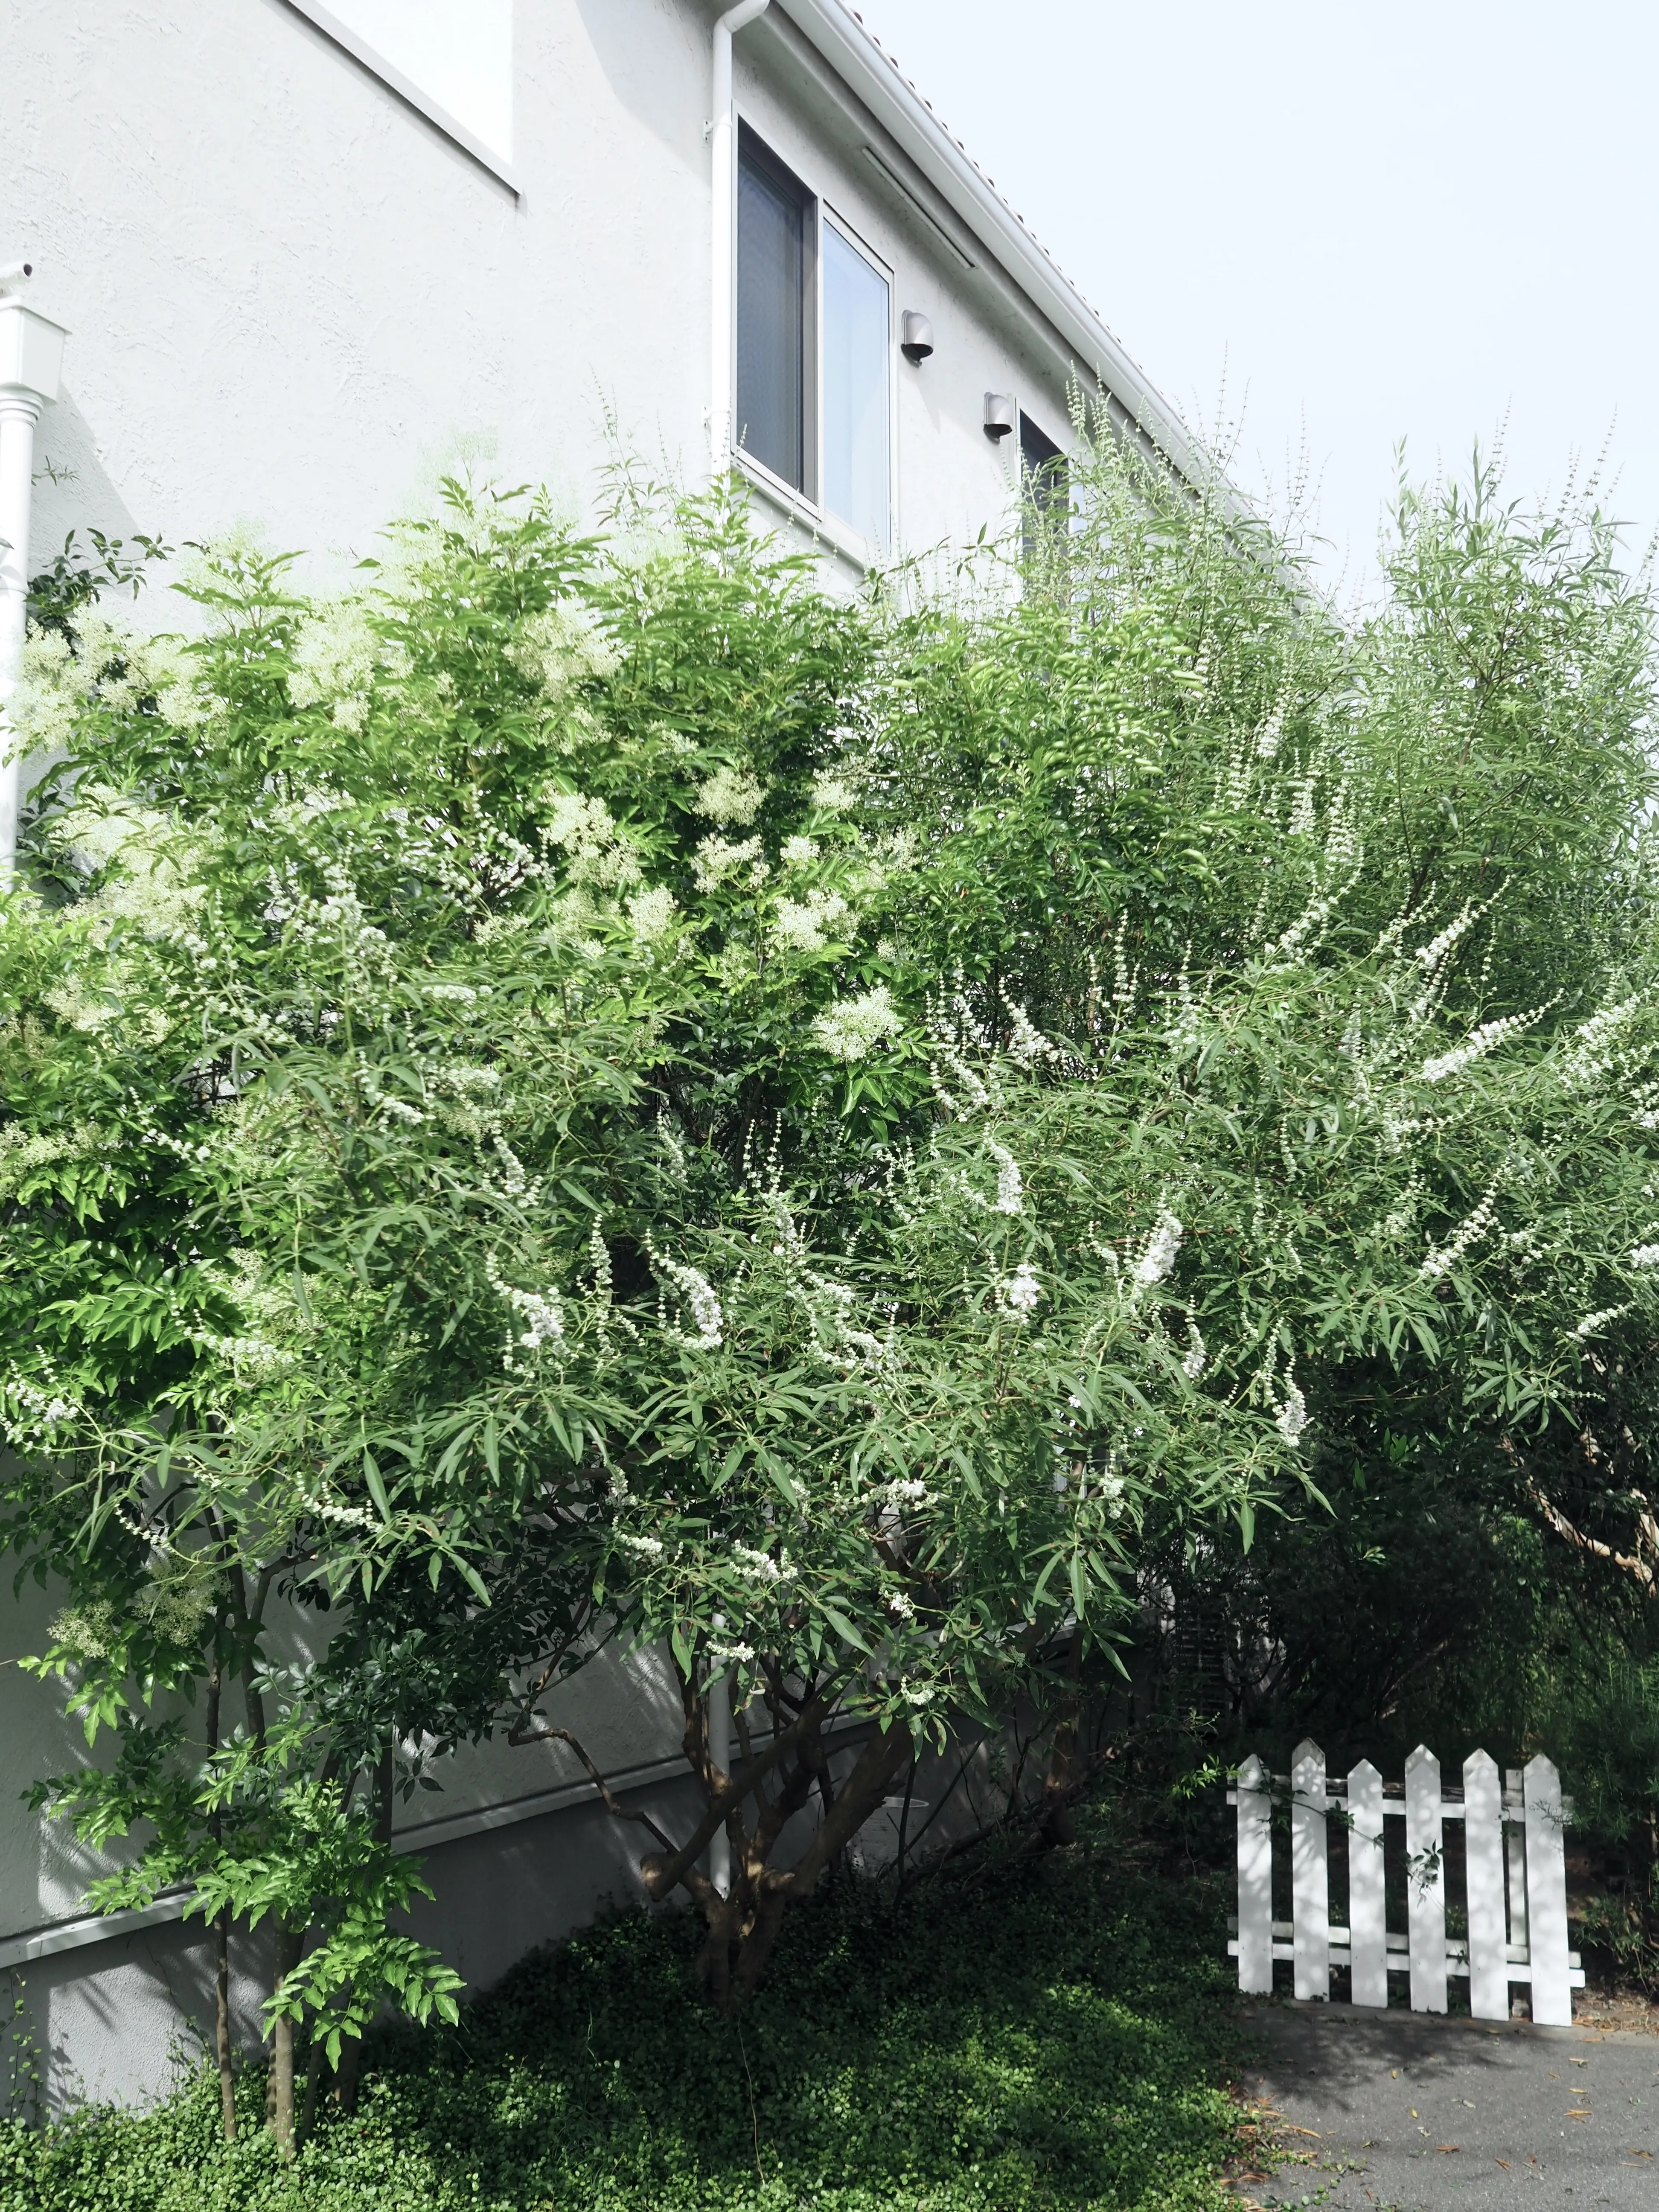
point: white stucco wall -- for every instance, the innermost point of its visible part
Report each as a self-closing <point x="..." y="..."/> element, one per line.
<point x="293" y="301"/>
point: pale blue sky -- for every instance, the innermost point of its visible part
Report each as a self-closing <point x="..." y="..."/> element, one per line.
<point x="1374" y="220"/>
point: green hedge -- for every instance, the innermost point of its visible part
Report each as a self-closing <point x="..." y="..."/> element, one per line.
<point x="1051" y="2035"/>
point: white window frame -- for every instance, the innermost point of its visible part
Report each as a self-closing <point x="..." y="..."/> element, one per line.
<point x="803" y="507"/>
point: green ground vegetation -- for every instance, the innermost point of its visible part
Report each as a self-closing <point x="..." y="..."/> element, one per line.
<point x="1027" y="2036"/>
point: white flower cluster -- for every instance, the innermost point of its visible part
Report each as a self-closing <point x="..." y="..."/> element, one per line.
<point x="1010" y="1187"/>
<point x="23" y="1152"/>
<point x="557" y="648"/>
<point x="542" y="1312"/>
<point x="1019" y="1294"/>
<point x="731" y="795"/>
<point x="335" y="658"/>
<point x="110" y="665"/>
<point x="1479" y="1041"/>
<point x="1196" y="1357"/>
<point x="584" y="830"/>
<point x="806" y="925"/>
<point x="1292" y="1419"/>
<point x="760" y="1566"/>
<point x="708" y="1321"/>
<point x="1431" y="957"/>
<point x="643" y="1547"/>
<point x="718" y="860"/>
<point x="852" y="1029"/>
<point x="652" y="914"/>
<point x="1026" y="1043"/>
<point x="1593" y="1053"/>
<point x="1157" y="1262"/>
<point x="1470" y="1231"/>
<point x="1267" y="738"/>
<point x="1644" y="1255"/>
<point x="31" y="1417"/>
<point x="798" y="851"/>
<point x="1592" y="1324"/>
<point x="832" y="793"/>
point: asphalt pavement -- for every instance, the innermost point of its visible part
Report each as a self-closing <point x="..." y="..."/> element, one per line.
<point x="1401" y="2112"/>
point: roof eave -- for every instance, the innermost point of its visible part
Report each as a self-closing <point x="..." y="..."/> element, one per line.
<point x="871" y="75"/>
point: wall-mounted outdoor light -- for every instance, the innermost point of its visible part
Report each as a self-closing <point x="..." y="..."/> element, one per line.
<point x="917" y="340"/>
<point x="1001" y="415"/>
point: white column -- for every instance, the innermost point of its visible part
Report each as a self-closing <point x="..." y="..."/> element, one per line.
<point x="1255" y="1879"/>
<point x="1547" y="1894"/>
<point x="1425" y="1883"/>
<point x="722" y="155"/>
<point x="718" y="1699"/>
<point x="1368" y="1938"/>
<point x="1483" y="1840"/>
<point x="1310" y="1880"/>
<point x="20" y="410"/>
<point x="31" y="359"/>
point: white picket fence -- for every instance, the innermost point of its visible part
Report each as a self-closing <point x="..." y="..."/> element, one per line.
<point x="1516" y="1883"/>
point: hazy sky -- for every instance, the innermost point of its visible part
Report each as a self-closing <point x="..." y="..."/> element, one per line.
<point x="1372" y="222"/>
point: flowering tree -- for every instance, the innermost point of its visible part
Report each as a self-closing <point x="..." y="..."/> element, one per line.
<point x="577" y="1092"/>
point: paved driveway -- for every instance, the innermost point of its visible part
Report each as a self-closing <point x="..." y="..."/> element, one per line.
<point x="1404" y="2113"/>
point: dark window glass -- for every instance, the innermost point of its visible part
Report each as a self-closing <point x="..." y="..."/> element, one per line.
<point x="1043" y="479"/>
<point x="774" y="266"/>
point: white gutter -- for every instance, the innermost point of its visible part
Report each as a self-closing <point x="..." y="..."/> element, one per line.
<point x="724" y="308"/>
<point x="869" y="73"/>
<point x="31" y="360"/>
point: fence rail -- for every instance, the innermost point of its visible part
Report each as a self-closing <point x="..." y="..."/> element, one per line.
<point x="1515" y="1883"/>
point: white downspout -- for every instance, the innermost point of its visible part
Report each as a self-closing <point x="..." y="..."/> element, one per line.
<point x="31" y="359"/>
<point x="719" y="1709"/>
<point x="721" y="376"/>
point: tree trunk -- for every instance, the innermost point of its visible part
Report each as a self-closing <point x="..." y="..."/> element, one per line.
<point x="221" y="2043"/>
<point x="1059" y="1823"/>
<point x="279" y="2098"/>
<point x="222" y="2025"/>
<point x="349" y="2072"/>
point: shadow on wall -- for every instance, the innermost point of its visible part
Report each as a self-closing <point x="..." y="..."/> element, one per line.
<point x="72" y="488"/>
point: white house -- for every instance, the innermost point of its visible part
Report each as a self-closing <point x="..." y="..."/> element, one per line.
<point x="307" y="257"/>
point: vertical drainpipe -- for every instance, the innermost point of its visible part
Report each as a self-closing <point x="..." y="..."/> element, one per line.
<point x="31" y="359"/>
<point x="719" y="1709"/>
<point x="720" y="378"/>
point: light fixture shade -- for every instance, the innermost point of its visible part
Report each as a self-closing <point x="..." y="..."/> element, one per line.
<point x="31" y="349"/>
<point x="1001" y="415"/>
<point x="916" y="342"/>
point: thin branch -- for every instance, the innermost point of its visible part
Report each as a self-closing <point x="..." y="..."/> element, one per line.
<point x="1564" y="1528"/>
<point x="613" y="1804"/>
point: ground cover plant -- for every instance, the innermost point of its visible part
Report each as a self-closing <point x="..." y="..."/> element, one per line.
<point x="581" y="1090"/>
<point x="1038" y="2037"/>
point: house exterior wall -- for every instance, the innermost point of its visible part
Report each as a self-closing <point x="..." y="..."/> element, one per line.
<point x="293" y="301"/>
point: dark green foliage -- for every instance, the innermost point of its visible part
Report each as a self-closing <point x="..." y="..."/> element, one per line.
<point x="1043" y="2038"/>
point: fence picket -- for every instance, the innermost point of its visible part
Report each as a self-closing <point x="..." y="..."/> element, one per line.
<point x="1311" y="1881"/>
<point x="1547" y="1894"/>
<point x="1497" y="1950"/>
<point x="1368" y="1935"/>
<point x="1255" y="1878"/>
<point x="1515" y="1853"/>
<point x="1483" y="1859"/>
<point x="1426" y="1887"/>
